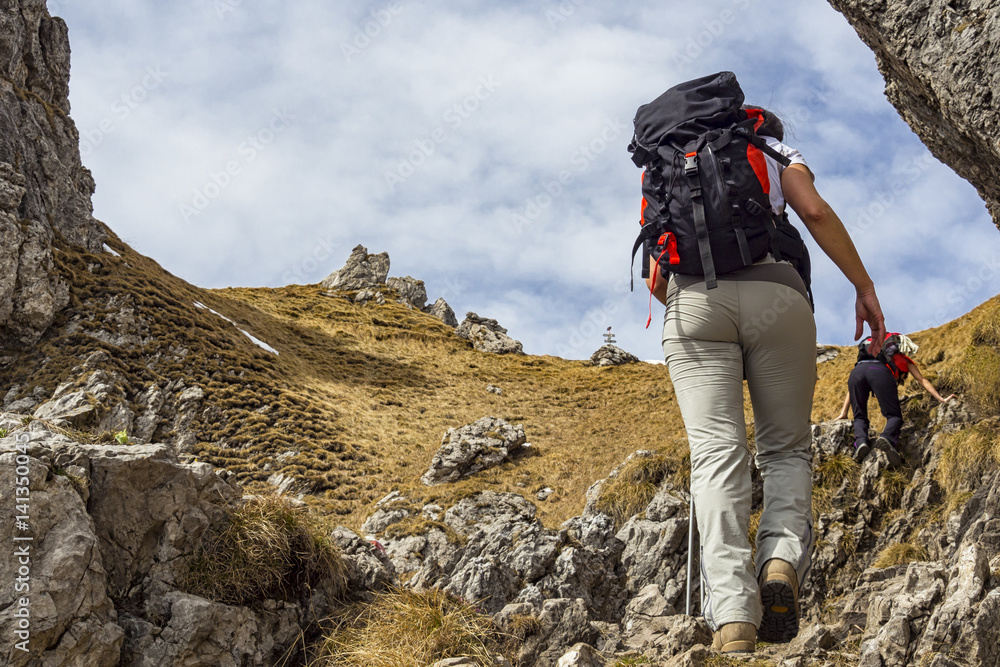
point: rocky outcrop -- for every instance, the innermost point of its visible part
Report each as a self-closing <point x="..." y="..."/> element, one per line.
<point x="612" y="355"/>
<point x="441" y="310"/>
<point x="464" y="451"/>
<point x="938" y="58"/>
<point x="44" y="189"/>
<point x="486" y="335"/>
<point x="410" y="291"/>
<point x="112" y="532"/>
<point x="362" y="270"/>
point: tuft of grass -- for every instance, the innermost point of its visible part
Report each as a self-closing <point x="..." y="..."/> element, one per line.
<point x="407" y="628"/>
<point x="267" y="548"/>
<point x="967" y="455"/>
<point x="634" y="487"/>
<point x="891" y="486"/>
<point x="121" y="437"/>
<point x="521" y="626"/>
<point x="79" y="483"/>
<point x="899" y="554"/>
<point x="3" y="433"/>
<point x="834" y="470"/>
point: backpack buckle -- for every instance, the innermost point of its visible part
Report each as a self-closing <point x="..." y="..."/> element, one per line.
<point x="754" y="208"/>
<point x="691" y="164"/>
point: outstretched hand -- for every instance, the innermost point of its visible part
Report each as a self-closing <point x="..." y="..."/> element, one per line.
<point x="867" y="309"/>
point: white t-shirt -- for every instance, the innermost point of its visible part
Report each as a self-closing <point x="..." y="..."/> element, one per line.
<point x="774" y="169"/>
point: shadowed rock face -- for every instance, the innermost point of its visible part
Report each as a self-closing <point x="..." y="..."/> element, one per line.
<point x="939" y="60"/>
<point x="44" y="189"/>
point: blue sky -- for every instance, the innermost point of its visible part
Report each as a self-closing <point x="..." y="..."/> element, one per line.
<point x="483" y="145"/>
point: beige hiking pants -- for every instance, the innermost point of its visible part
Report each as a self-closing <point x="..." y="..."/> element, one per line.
<point x="758" y="326"/>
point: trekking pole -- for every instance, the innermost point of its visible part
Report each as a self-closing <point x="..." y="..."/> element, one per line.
<point x="690" y="549"/>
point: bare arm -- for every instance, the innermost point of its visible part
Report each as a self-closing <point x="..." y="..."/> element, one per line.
<point x="831" y="236"/>
<point x="926" y="384"/>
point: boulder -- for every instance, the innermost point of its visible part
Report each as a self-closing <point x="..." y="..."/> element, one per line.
<point x="612" y="355"/>
<point x="487" y="335"/>
<point x="464" y="451"/>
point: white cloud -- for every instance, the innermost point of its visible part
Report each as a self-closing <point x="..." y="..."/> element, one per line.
<point x="479" y="109"/>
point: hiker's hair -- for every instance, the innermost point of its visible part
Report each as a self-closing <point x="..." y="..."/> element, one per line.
<point x="772" y="127"/>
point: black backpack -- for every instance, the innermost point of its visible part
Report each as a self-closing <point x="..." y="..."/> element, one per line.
<point x="705" y="210"/>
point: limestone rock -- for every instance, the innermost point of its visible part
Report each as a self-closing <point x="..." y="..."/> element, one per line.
<point x="362" y="270"/>
<point x="44" y="188"/>
<point x="441" y="310"/>
<point x="203" y="632"/>
<point x="71" y="619"/>
<point x="409" y="290"/>
<point x="369" y="569"/>
<point x="483" y="444"/>
<point x="368" y="296"/>
<point x="826" y="353"/>
<point x="612" y="355"/>
<point x="581" y="655"/>
<point x="938" y="59"/>
<point x="487" y="335"/>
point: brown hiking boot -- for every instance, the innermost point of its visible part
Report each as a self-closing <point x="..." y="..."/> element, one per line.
<point x="735" y="638"/>
<point x="779" y="595"/>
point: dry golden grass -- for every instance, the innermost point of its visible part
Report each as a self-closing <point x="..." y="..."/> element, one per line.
<point x="406" y="628"/>
<point x="900" y="554"/>
<point x="267" y="549"/>
<point x="967" y="455"/>
<point x="834" y="470"/>
<point x="635" y="485"/>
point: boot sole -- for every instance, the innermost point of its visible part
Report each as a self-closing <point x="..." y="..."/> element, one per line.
<point x="780" y="622"/>
<point x="861" y="452"/>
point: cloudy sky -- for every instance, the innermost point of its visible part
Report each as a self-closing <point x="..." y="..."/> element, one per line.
<point x="483" y="145"/>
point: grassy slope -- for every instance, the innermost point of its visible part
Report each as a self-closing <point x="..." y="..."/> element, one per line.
<point x="357" y="401"/>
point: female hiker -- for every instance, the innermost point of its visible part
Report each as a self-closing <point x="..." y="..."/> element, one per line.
<point x="755" y="323"/>
<point x="882" y="375"/>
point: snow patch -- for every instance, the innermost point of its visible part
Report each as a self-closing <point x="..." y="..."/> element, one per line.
<point x="259" y="343"/>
